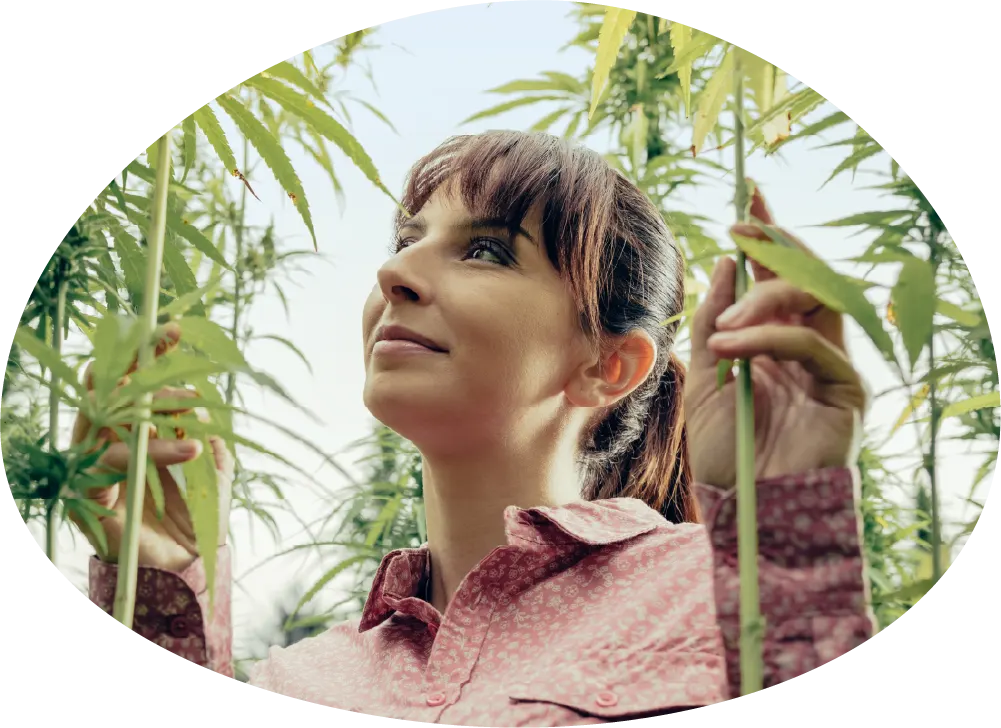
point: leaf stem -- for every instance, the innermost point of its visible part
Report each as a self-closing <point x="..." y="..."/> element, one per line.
<point x="751" y="626"/>
<point x="128" y="566"/>
<point x="936" y="412"/>
<point x="58" y="324"/>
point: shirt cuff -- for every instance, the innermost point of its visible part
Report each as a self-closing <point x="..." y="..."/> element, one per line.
<point x="172" y="609"/>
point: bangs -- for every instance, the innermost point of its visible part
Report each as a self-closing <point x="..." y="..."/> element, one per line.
<point x="500" y="175"/>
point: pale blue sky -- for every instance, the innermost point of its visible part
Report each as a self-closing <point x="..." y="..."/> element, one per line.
<point x="431" y="72"/>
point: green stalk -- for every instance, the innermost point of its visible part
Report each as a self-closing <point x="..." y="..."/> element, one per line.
<point x="936" y="413"/>
<point x="238" y="273"/>
<point x="751" y="626"/>
<point x="128" y="566"/>
<point x="58" y="323"/>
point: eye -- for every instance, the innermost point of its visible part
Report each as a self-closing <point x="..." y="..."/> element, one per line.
<point x="490" y="251"/>
<point x="399" y="243"/>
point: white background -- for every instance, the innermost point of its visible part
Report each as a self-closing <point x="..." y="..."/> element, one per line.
<point x="81" y="102"/>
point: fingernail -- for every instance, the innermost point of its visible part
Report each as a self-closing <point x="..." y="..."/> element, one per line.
<point x="721" y="337"/>
<point x="730" y="315"/>
<point x="189" y="447"/>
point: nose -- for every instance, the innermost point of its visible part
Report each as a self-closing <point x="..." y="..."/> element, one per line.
<point x="401" y="279"/>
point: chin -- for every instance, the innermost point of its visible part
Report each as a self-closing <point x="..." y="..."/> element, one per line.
<point x="420" y="414"/>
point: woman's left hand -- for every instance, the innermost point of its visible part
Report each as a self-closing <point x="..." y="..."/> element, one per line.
<point x="808" y="398"/>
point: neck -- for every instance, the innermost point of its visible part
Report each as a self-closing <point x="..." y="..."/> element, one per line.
<point x="465" y="496"/>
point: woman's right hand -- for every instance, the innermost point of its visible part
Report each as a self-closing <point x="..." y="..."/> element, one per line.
<point x="167" y="543"/>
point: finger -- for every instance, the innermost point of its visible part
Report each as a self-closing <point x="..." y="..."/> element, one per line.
<point x="169" y="400"/>
<point x="718" y="298"/>
<point x="161" y="452"/>
<point x="769" y="300"/>
<point x="168" y="337"/>
<point x="801" y="344"/>
<point x="759" y="207"/>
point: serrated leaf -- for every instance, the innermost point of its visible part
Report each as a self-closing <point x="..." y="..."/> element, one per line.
<point x="177" y="268"/>
<point x="913" y="299"/>
<point x="614" y="28"/>
<point x="202" y="498"/>
<point x="980" y="401"/>
<point x="155" y="487"/>
<point x="876" y="219"/>
<point x="331" y="129"/>
<point x="288" y="72"/>
<point x="116" y="344"/>
<point x="957" y="314"/>
<point x="853" y="162"/>
<point x="548" y="120"/>
<point x="289" y="345"/>
<point x="189" y="145"/>
<point x="180" y="227"/>
<point x="47" y="357"/>
<point x="173" y="368"/>
<point x="326" y="579"/>
<point x="210" y="338"/>
<point x="206" y="120"/>
<point x="131" y="256"/>
<point x="532" y="84"/>
<point x="272" y="153"/>
<point x="711" y="102"/>
<point x="694" y="50"/>
<point x="681" y="39"/>
<point x="815" y="277"/>
<point x="182" y="304"/>
<point x="508" y="106"/>
<point x="916" y="401"/>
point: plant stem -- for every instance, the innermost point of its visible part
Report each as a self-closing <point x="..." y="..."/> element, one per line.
<point x="936" y="525"/>
<point x="58" y="323"/>
<point x="751" y="627"/>
<point x="128" y="566"/>
<point x="238" y="274"/>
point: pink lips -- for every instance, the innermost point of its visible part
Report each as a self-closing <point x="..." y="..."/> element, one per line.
<point x="401" y="340"/>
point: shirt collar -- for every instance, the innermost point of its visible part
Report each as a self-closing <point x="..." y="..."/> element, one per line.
<point x="590" y="523"/>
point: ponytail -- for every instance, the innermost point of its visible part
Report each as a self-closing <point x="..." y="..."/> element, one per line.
<point x="651" y="463"/>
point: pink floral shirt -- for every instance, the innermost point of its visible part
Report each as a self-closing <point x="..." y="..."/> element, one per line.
<point x="591" y="612"/>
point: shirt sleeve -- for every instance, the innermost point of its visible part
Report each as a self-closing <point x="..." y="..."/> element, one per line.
<point x="813" y="590"/>
<point x="172" y="609"/>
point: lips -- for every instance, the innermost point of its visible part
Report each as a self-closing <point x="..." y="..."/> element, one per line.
<point x="401" y="333"/>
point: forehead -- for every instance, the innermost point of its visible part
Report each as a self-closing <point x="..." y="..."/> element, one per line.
<point x="448" y="205"/>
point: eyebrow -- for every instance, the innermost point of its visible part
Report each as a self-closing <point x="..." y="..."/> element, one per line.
<point x="418" y="223"/>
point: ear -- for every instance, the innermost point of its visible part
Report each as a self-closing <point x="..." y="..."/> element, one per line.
<point x="615" y="373"/>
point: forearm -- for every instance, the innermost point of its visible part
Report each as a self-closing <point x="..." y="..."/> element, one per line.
<point x="172" y="609"/>
<point x="813" y="591"/>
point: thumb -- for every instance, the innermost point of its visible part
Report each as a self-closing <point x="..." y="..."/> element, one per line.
<point x="717" y="300"/>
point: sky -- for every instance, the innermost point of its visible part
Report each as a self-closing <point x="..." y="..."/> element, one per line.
<point x="431" y="72"/>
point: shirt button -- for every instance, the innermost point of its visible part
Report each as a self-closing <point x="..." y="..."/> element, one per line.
<point x="436" y="699"/>
<point x="179" y="627"/>
<point x="606" y="699"/>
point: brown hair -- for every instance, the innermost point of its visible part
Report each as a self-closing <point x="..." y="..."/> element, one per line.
<point x="624" y="271"/>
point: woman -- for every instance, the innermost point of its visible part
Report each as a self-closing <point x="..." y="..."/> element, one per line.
<point x="580" y="563"/>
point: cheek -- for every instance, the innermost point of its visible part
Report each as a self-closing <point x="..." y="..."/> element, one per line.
<point x="371" y="314"/>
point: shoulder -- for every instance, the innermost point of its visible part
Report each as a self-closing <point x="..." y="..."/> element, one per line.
<point x="313" y="656"/>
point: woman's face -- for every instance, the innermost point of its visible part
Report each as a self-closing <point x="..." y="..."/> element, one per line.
<point x="507" y="331"/>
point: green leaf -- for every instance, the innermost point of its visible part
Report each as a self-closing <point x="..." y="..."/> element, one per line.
<point x="981" y="401"/>
<point x="173" y="368"/>
<point x="916" y="401"/>
<point x="536" y="84"/>
<point x="155" y="487"/>
<point x="913" y="299"/>
<point x="723" y="369"/>
<point x="910" y="592"/>
<point x="177" y="268"/>
<point x="210" y="338"/>
<point x="288" y="72"/>
<point x="711" y="102"/>
<point x="326" y="579"/>
<point x="201" y="495"/>
<point x="116" y="344"/>
<point x="182" y="228"/>
<point x="853" y="161"/>
<point x="681" y="39"/>
<point x="189" y="145"/>
<point x="180" y="305"/>
<point x="288" y="344"/>
<point x="272" y="153"/>
<point x="693" y="52"/>
<point x="957" y="314"/>
<point x="294" y="102"/>
<point x="209" y="124"/>
<point x="508" y="106"/>
<point x="614" y="28"/>
<point x="815" y="277"/>
<point x="47" y="357"/>
<point x="132" y="257"/>
<point x="548" y="120"/>
<point x="875" y="219"/>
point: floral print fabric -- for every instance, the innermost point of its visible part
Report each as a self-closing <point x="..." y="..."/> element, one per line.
<point x="591" y="612"/>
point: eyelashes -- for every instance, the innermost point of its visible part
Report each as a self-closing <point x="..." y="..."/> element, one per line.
<point x="501" y="250"/>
